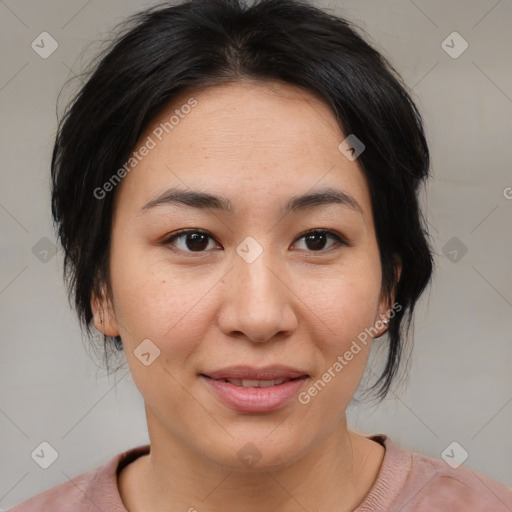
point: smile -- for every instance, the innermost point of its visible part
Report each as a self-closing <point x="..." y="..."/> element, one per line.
<point x="251" y="383"/>
<point x="255" y="396"/>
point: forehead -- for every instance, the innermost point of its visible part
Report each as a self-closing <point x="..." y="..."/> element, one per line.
<point x="235" y="138"/>
<point x="272" y="115"/>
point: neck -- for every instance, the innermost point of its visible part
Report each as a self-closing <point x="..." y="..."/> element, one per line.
<point x="334" y="475"/>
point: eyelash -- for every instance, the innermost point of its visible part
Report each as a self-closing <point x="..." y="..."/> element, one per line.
<point x="340" y="241"/>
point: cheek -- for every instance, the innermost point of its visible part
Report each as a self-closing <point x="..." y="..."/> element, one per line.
<point x="345" y="302"/>
<point x="164" y="304"/>
<point x="343" y="313"/>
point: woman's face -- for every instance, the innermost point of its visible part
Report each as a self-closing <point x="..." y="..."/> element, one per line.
<point x="250" y="290"/>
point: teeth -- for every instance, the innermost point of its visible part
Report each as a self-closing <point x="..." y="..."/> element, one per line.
<point x="268" y="383"/>
<point x="249" y="383"/>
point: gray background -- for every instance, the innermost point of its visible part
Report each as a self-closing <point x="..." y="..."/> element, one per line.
<point x="460" y="385"/>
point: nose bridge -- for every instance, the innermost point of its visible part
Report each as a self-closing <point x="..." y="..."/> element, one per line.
<point x="256" y="271"/>
<point x="256" y="301"/>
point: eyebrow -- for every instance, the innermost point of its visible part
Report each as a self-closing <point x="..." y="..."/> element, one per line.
<point x="206" y="201"/>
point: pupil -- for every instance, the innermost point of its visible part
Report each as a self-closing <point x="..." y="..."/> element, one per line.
<point x="312" y="237"/>
<point x="194" y="241"/>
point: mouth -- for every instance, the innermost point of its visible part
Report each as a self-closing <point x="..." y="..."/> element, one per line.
<point x="256" y="383"/>
<point x="249" y="390"/>
<point x="275" y="373"/>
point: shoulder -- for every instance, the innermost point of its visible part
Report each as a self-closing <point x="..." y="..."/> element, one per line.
<point x="88" y="492"/>
<point x="431" y="484"/>
<point x="66" y="496"/>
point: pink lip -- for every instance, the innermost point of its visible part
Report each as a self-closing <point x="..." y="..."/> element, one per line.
<point x="255" y="399"/>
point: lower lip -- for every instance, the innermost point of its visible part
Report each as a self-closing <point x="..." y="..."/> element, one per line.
<point x="255" y="399"/>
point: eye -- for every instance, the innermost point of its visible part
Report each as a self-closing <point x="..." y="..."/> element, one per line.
<point x="317" y="238"/>
<point x="196" y="240"/>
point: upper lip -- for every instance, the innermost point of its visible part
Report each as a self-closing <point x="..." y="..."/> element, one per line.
<point x="273" y="372"/>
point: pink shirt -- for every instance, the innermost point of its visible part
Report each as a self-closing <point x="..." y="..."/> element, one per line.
<point x="407" y="482"/>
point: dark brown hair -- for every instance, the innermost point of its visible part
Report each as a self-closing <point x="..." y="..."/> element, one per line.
<point x="169" y="48"/>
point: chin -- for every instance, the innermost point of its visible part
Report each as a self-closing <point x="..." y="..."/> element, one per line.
<point x="254" y="454"/>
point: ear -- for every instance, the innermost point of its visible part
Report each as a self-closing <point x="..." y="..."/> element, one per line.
<point x="386" y="303"/>
<point x="398" y="273"/>
<point x="104" y="316"/>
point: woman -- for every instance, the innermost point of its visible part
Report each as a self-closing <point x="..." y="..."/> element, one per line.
<point x="235" y="189"/>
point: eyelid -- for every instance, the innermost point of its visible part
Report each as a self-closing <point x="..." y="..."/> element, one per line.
<point x="167" y="240"/>
<point x="338" y="238"/>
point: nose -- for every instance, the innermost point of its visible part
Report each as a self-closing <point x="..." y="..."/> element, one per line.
<point x="258" y="301"/>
